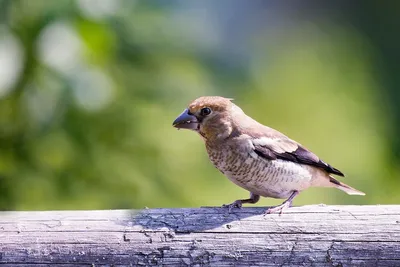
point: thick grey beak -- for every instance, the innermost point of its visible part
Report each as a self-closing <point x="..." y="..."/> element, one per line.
<point x="186" y="121"/>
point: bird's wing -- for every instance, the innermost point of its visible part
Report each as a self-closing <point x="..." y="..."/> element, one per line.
<point x="284" y="148"/>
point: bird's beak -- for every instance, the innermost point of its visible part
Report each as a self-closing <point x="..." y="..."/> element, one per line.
<point x="186" y="121"/>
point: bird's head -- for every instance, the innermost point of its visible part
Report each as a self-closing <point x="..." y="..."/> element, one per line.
<point x="210" y="116"/>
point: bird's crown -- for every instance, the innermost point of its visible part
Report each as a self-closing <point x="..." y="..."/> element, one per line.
<point x="215" y="103"/>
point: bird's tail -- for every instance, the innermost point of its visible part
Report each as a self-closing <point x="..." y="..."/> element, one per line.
<point x="344" y="187"/>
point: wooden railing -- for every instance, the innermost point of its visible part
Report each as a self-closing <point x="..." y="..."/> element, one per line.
<point x="302" y="236"/>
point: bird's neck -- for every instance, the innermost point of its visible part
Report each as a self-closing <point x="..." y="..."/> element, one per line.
<point x="216" y="132"/>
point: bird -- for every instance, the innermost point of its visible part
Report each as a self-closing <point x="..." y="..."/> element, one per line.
<point x="257" y="158"/>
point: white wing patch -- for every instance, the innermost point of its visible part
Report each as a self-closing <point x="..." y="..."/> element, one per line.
<point x="251" y="150"/>
<point x="277" y="144"/>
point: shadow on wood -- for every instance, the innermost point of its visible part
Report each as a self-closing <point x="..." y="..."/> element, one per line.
<point x="303" y="236"/>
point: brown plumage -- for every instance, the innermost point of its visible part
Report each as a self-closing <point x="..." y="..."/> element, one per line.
<point x="256" y="157"/>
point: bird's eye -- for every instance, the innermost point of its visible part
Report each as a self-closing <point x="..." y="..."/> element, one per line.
<point x="205" y="111"/>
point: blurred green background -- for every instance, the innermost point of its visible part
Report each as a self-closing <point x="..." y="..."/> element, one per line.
<point x="89" y="89"/>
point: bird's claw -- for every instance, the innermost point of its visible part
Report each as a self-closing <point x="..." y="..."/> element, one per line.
<point x="235" y="204"/>
<point x="278" y="208"/>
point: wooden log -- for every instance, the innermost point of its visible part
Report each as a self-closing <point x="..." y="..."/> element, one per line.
<point x="302" y="236"/>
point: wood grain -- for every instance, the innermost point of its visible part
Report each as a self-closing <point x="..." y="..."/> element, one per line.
<point x="303" y="236"/>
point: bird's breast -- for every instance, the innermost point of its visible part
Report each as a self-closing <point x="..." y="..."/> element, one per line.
<point x="268" y="178"/>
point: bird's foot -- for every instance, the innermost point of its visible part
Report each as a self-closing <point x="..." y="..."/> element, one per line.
<point x="286" y="204"/>
<point x="278" y="208"/>
<point x="235" y="204"/>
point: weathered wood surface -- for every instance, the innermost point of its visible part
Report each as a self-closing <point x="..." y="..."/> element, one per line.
<point x="303" y="236"/>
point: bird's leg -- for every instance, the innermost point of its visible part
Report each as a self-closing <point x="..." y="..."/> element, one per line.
<point x="286" y="204"/>
<point x="238" y="203"/>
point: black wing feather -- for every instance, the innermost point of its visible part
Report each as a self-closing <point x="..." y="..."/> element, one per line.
<point x="300" y="155"/>
<point x="264" y="152"/>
